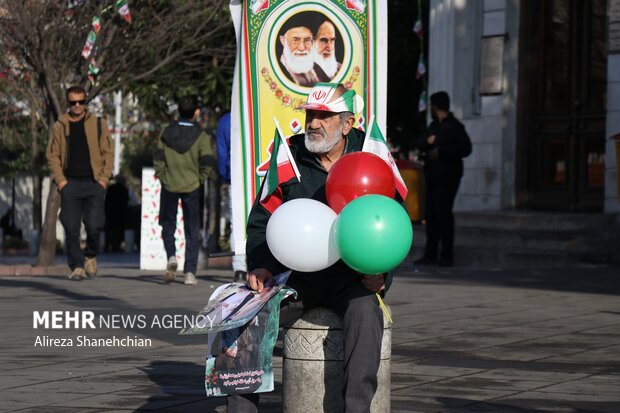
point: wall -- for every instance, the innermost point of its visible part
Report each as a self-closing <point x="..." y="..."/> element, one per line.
<point x="612" y="202"/>
<point x="23" y="201"/>
<point x="454" y="54"/>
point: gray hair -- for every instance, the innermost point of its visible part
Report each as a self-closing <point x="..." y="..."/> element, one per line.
<point x="345" y="115"/>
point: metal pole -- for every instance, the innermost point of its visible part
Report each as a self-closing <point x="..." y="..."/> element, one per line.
<point x="118" y="103"/>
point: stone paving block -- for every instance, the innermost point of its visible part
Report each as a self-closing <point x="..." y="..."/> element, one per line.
<point x="52" y="409"/>
<point x="452" y="397"/>
<point x="539" y="398"/>
<point x="130" y="400"/>
<point x="529" y="374"/>
<point x="587" y="385"/>
<point x="77" y="386"/>
<point x="13" y="399"/>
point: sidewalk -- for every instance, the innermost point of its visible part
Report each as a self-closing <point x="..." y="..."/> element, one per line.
<point x="463" y="341"/>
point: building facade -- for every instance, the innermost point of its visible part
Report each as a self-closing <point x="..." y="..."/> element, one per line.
<point x="537" y="84"/>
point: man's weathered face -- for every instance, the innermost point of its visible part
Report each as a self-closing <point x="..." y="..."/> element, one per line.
<point x="323" y="130"/>
<point x="326" y="40"/>
<point x="77" y="102"/>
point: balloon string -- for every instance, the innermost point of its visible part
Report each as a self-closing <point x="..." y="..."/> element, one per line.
<point x="384" y="308"/>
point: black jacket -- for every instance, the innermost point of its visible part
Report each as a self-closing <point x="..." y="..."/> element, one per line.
<point x="453" y="144"/>
<point x="312" y="185"/>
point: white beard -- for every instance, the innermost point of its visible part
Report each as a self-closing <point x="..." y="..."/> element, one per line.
<point x="323" y="144"/>
<point x="329" y="65"/>
<point x="297" y="63"/>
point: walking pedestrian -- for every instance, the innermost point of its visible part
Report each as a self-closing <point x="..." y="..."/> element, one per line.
<point x="183" y="160"/>
<point x="80" y="155"/>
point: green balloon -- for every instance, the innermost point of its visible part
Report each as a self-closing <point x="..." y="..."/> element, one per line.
<point x="373" y="234"/>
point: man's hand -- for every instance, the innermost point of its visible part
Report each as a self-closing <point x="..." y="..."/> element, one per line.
<point x="375" y="283"/>
<point x="434" y="154"/>
<point x="258" y="278"/>
<point x="431" y="139"/>
<point x="231" y="352"/>
<point x="103" y="184"/>
<point x="62" y="185"/>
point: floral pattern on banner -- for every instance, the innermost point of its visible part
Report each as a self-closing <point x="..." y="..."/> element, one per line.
<point x="295" y="103"/>
<point x="152" y="252"/>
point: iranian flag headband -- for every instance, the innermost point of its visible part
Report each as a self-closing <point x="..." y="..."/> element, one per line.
<point x="321" y="98"/>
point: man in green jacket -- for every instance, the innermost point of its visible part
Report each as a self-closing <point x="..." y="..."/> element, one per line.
<point x="184" y="159"/>
<point x="80" y="155"/>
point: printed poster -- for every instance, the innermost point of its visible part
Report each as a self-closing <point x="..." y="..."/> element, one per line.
<point x="284" y="47"/>
<point x="152" y="252"/>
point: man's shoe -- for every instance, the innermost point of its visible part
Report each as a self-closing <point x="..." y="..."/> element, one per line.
<point x="90" y="266"/>
<point x="171" y="270"/>
<point x="78" y="274"/>
<point x="446" y="262"/>
<point x="190" y="279"/>
<point x="241" y="276"/>
<point x="426" y="260"/>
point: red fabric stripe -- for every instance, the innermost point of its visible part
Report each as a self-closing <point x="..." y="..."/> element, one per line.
<point x="273" y="200"/>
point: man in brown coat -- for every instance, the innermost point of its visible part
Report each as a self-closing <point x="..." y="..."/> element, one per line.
<point x="80" y="155"/>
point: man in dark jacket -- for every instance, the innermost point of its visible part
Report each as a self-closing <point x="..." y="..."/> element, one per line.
<point x="329" y="135"/>
<point x="183" y="160"/>
<point x="445" y="144"/>
<point x="80" y="155"/>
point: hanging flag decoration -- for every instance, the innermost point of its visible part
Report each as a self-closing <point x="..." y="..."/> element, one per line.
<point x="93" y="71"/>
<point x="421" y="67"/>
<point x="91" y="38"/>
<point x="422" y="104"/>
<point x="96" y="24"/>
<point x="90" y="43"/>
<point x="417" y="28"/>
<point x="123" y="10"/>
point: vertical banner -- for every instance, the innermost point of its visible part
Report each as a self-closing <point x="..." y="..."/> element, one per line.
<point x="152" y="252"/>
<point x="284" y="47"/>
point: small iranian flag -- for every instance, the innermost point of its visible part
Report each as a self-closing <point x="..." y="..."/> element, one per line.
<point x="282" y="168"/>
<point x="375" y="144"/>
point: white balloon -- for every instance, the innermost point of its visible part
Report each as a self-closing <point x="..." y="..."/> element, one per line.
<point x="300" y="236"/>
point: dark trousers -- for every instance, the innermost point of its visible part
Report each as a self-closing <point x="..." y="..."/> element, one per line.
<point x="362" y="334"/>
<point x="190" y="203"/>
<point x="82" y="200"/>
<point x="439" y="218"/>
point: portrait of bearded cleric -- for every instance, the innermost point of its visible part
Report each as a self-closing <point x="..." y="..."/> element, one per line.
<point x="309" y="48"/>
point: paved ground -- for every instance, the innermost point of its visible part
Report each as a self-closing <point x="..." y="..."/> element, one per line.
<point x="463" y="341"/>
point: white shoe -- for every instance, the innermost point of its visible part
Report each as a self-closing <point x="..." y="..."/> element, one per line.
<point x="171" y="270"/>
<point x="190" y="279"/>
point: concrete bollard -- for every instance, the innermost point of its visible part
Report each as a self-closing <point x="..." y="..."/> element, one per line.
<point x="129" y="241"/>
<point x="312" y="373"/>
<point x="33" y="242"/>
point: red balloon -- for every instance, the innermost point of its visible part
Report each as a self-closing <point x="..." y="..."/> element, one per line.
<point x="357" y="174"/>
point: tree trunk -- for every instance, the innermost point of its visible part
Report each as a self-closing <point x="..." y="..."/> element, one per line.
<point x="36" y="178"/>
<point x="36" y="202"/>
<point x="47" y="242"/>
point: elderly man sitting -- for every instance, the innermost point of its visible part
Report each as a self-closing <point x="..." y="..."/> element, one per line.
<point x="329" y="135"/>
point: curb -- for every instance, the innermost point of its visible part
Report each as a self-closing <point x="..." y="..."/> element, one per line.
<point x="30" y="270"/>
<point x="25" y="270"/>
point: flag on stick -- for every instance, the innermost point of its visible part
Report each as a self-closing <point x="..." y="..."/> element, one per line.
<point x="282" y="168"/>
<point x="375" y="143"/>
